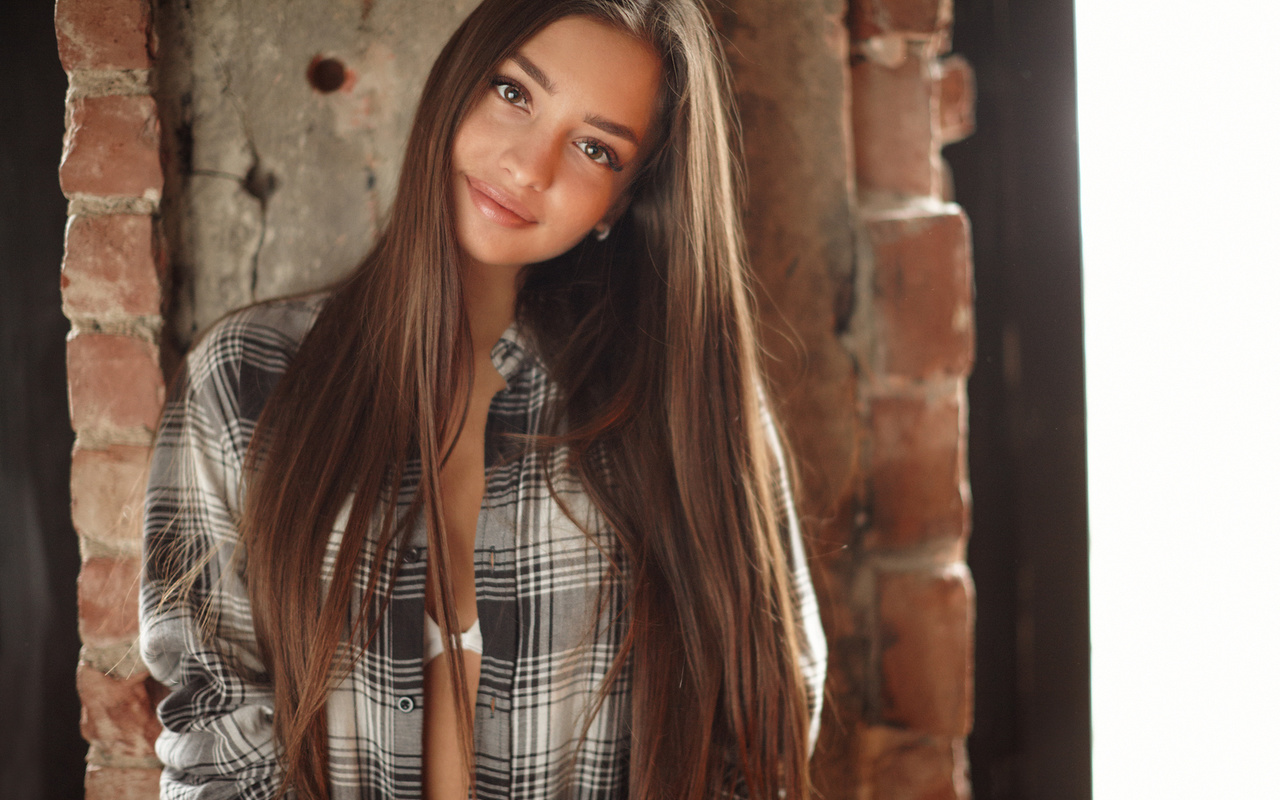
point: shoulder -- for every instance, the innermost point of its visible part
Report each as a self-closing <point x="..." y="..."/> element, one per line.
<point x="261" y="336"/>
<point x="241" y="357"/>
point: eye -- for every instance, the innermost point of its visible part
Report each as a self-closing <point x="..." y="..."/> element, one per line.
<point x="511" y="92"/>
<point x="600" y="154"/>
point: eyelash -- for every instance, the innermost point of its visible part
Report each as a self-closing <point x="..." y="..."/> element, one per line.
<point x="500" y="81"/>
<point x="502" y="84"/>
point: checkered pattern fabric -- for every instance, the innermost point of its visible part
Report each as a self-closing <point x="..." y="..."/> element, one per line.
<point x="541" y="586"/>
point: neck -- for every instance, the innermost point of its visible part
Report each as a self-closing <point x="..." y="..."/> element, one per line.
<point x="489" y="293"/>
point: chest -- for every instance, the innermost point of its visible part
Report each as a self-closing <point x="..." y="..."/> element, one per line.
<point x="462" y="483"/>
<point x="462" y="476"/>
<point x="553" y="612"/>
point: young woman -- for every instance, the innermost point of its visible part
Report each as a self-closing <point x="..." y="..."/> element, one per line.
<point x="533" y="418"/>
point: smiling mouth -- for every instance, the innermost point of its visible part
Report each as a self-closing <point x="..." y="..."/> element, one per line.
<point x="497" y="205"/>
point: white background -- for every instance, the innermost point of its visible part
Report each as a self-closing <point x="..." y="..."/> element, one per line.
<point x="1179" y="146"/>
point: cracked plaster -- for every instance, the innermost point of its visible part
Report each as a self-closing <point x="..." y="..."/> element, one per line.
<point x="273" y="187"/>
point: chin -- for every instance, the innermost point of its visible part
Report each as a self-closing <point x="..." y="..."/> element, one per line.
<point x="497" y="256"/>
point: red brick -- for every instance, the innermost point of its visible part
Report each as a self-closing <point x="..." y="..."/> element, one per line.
<point x="117" y="716"/>
<point x="108" y="599"/>
<point x="900" y="765"/>
<point x="894" y="149"/>
<point x="926" y="662"/>
<point x="918" y="485"/>
<point x="102" y="34"/>
<point x="106" y="492"/>
<point x="956" y="91"/>
<point x="923" y="292"/>
<point x="112" y="783"/>
<point x="114" y="381"/>
<point x="109" y="266"/>
<point x="921" y="17"/>
<point x="112" y="147"/>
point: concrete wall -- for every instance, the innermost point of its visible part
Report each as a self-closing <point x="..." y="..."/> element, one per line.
<point x="284" y="123"/>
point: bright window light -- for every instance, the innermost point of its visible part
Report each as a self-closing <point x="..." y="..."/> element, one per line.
<point x="1179" y="119"/>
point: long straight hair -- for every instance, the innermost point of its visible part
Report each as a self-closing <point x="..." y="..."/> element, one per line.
<point x="650" y="340"/>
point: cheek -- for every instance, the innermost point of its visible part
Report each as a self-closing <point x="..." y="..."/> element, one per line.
<point x="586" y="199"/>
<point x="474" y="137"/>
<point x="463" y="142"/>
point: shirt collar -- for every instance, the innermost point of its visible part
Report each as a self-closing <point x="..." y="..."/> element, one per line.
<point x="509" y="354"/>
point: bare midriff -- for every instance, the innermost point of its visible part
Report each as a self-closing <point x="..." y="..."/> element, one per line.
<point x="444" y="774"/>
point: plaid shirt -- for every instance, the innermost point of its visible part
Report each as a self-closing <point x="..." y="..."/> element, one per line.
<point x="538" y="583"/>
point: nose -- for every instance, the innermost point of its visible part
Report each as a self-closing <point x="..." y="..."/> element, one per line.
<point x="531" y="161"/>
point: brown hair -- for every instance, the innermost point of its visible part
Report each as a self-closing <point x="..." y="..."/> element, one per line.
<point x="664" y="386"/>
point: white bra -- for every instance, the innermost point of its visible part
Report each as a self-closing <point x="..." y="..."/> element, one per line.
<point x="470" y="639"/>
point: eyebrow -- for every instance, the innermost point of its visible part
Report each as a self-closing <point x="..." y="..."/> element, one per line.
<point x="594" y="120"/>
<point x="534" y="72"/>
<point x="609" y="126"/>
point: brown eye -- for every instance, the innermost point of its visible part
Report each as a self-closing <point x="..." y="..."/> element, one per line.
<point x="511" y="92"/>
<point x="600" y="154"/>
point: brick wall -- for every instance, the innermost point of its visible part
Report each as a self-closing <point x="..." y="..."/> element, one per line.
<point x="112" y="274"/>
<point x="914" y="351"/>
<point x="867" y="308"/>
<point x="868" y="316"/>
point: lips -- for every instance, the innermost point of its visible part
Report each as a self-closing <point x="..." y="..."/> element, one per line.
<point x="497" y="205"/>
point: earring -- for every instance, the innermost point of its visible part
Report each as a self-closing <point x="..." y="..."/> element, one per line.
<point x="602" y="232"/>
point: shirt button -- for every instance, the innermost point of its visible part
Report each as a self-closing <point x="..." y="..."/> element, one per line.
<point x="405" y="704"/>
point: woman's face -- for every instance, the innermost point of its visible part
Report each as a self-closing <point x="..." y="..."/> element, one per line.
<point x="545" y="153"/>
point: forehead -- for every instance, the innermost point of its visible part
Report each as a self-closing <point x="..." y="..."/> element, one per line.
<point x="605" y="70"/>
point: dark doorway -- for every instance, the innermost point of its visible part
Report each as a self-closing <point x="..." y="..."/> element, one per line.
<point x="41" y="752"/>
<point x="1018" y="179"/>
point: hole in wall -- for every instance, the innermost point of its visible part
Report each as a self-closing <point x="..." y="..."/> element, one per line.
<point x="260" y="183"/>
<point x="326" y="74"/>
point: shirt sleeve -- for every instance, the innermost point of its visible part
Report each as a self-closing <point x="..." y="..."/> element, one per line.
<point x="196" y="632"/>
<point x="813" y="642"/>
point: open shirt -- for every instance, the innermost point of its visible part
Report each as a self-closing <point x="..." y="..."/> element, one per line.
<point x="540" y="585"/>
